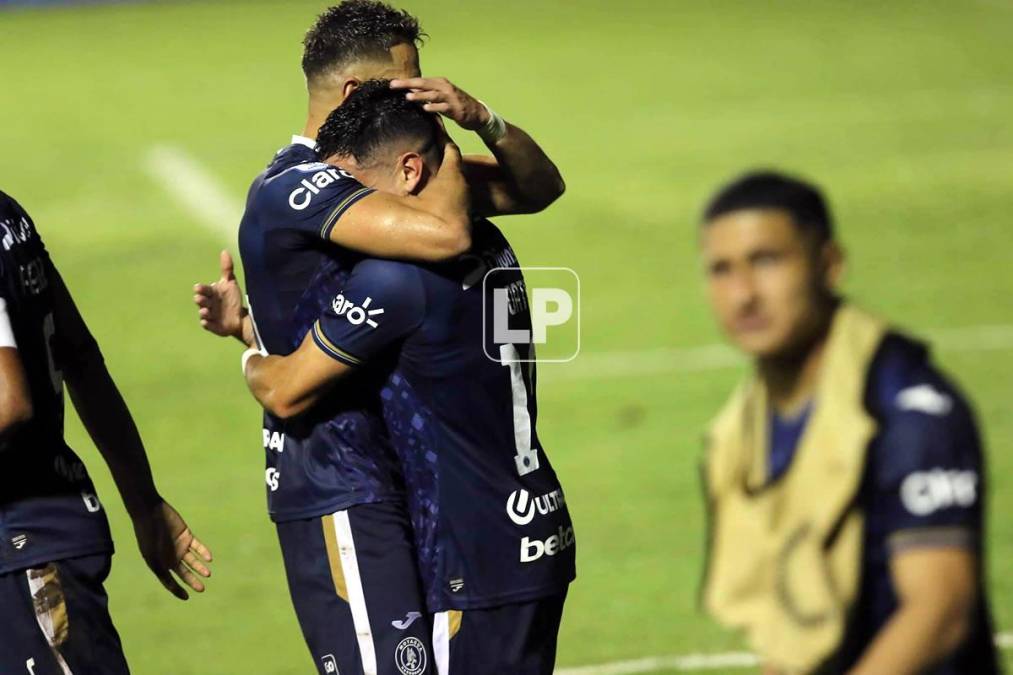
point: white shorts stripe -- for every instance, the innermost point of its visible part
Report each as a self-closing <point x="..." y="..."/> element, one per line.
<point x="356" y="595"/>
<point x="441" y="642"/>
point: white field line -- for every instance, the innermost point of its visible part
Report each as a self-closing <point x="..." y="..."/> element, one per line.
<point x="195" y="188"/>
<point x="716" y="356"/>
<point x="698" y="662"/>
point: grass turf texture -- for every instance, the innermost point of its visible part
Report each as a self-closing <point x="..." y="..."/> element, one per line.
<point x="901" y="110"/>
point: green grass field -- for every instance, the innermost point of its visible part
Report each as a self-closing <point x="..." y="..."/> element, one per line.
<point x="901" y="109"/>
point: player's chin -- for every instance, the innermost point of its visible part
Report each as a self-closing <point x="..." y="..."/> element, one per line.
<point x="759" y="344"/>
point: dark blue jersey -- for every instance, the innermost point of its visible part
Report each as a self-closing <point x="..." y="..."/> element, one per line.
<point x="489" y="515"/>
<point x="337" y="455"/>
<point x="48" y="507"/>
<point x="924" y="485"/>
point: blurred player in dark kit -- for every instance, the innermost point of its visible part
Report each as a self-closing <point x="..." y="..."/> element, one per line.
<point x="55" y="546"/>
<point x="851" y="466"/>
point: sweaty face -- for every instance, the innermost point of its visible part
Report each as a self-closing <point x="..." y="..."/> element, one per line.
<point x="767" y="287"/>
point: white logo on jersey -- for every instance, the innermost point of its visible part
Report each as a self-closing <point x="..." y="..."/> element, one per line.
<point x="356" y="315"/>
<point x="522" y="508"/>
<point x="272" y="475"/>
<point x="925" y="492"/>
<point x="924" y="398"/>
<point x="91" y="502"/>
<point x="410" y="656"/>
<point x="533" y="549"/>
<point x="301" y="197"/>
<point x="19" y="541"/>
<point x="274" y="440"/>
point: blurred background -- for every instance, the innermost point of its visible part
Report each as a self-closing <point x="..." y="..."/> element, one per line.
<point x="130" y="131"/>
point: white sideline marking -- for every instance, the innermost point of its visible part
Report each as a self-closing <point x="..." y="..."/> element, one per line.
<point x="696" y="662"/>
<point x="195" y="188"/>
<point x="717" y="356"/>
<point x="689" y="662"/>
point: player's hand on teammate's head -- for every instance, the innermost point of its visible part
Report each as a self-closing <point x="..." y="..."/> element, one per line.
<point x="168" y="546"/>
<point x="220" y="305"/>
<point x="440" y="95"/>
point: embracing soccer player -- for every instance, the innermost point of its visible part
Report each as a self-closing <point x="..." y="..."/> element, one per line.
<point x="845" y="476"/>
<point x="493" y="535"/>
<point x="55" y="547"/>
<point x="335" y="488"/>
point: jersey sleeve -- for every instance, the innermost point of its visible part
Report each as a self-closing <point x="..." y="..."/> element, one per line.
<point x="381" y="303"/>
<point x="315" y="196"/>
<point x="928" y="469"/>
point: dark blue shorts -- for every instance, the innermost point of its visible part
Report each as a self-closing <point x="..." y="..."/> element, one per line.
<point x="55" y="620"/>
<point x="519" y="639"/>
<point x="355" y="586"/>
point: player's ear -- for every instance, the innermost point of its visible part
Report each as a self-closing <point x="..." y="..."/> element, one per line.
<point x="410" y="172"/>
<point x="348" y="86"/>
<point x="832" y="259"/>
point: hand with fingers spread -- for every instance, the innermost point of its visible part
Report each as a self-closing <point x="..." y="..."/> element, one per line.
<point x="220" y="305"/>
<point x="440" y="95"/>
<point x="168" y="546"/>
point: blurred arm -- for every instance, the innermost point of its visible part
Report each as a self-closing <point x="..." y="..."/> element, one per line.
<point x="936" y="590"/>
<point x="15" y="394"/>
<point x="99" y="404"/>
<point x="165" y="541"/>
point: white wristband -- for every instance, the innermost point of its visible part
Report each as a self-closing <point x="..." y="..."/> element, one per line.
<point x="6" y="330"/>
<point x="494" y="129"/>
<point x="252" y="351"/>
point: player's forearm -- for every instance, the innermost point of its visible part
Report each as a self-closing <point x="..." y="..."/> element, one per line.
<point x="918" y="635"/>
<point x="279" y="385"/>
<point x="108" y="421"/>
<point x="528" y="181"/>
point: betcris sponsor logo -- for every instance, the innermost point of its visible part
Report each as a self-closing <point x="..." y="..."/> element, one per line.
<point x="536" y="549"/>
<point x="301" y="197"/>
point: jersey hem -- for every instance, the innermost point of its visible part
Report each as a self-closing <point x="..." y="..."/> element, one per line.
<point x="329" y="508"/>
<point x="62" y="554"/>
<point x="513" y="598"/>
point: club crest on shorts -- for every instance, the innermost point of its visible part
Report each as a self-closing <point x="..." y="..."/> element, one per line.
<point x="410" y="656"/>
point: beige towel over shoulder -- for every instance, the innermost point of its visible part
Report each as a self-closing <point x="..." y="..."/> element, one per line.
<point x="784" y="558"/>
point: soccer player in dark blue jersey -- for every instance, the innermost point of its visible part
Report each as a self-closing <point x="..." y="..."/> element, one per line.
<point x="845" y="478"/>
<point x="493" y="535"/>
<point x="55" y="547"/>
<point x="333" y="487"/>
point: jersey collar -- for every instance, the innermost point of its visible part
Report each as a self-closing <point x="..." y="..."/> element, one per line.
<point x="302" y="140"/>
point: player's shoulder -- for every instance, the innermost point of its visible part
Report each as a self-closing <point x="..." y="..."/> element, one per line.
<point x="924" y="418"/>
<point x="296" y="184"/>
<point x="391" y="275"/>
<point x="9" y="207"/>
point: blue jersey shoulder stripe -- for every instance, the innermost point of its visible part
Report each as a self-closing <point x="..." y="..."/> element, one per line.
<point x="332" y="349"/>
<point x="339" y="210"/>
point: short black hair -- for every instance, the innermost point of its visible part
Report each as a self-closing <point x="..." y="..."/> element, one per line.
<point x="354" y="29"/>
<point x="767" y="189"/>
<point x="373" y="116"/>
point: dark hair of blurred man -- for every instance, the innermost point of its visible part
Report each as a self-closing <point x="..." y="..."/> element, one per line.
<point x="55" y="545"/>
<point x="845" y="476"/>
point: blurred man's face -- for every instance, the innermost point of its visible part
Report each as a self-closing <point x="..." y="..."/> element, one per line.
<point x="767" y="284"/>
